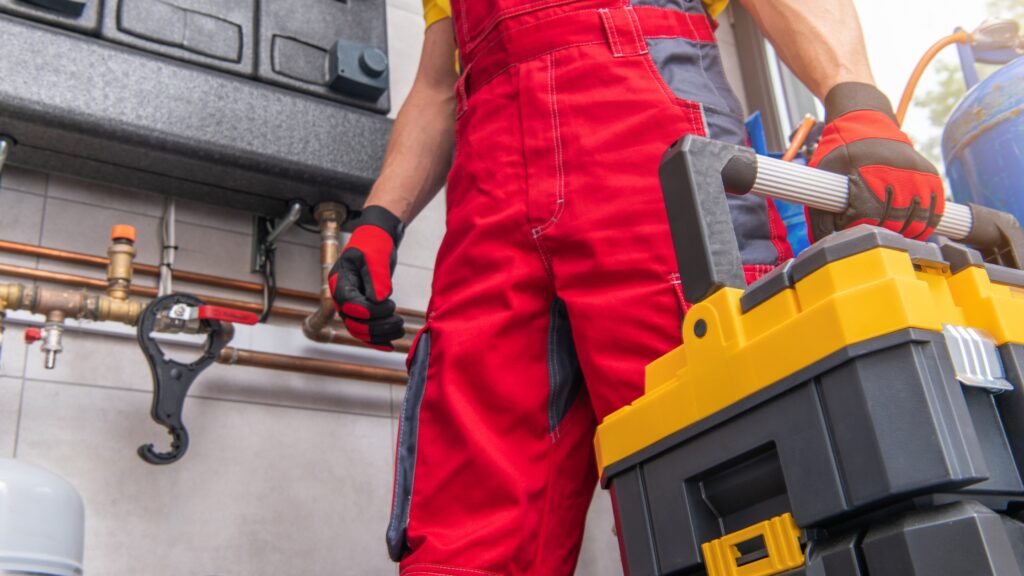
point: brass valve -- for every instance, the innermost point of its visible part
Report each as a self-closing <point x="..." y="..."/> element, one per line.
<point x="122" y="257"/>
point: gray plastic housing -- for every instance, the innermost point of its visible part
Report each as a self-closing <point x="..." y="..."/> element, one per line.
<point x="295" y="45"/>
<point x="81" y="106"/>
<point x="215" y="33"/>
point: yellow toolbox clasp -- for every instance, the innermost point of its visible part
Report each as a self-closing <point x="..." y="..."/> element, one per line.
<point x="781" y="543"/>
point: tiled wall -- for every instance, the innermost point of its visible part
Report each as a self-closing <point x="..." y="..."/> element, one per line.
<point x="286" y="474"/>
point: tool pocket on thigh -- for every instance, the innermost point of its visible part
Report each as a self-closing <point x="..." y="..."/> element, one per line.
<point x="408" y="438"/>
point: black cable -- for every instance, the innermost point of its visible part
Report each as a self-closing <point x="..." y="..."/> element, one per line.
<point x="269" y="283"/>
<point x="269" y="271"/>
<point x="308" y="228"/>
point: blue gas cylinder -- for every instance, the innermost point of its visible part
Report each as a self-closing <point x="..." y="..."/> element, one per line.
<point x="983" y="143"/>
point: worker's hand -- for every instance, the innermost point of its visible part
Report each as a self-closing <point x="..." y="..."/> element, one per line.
<point x="360" y="280"/>
<point x="891" y="184"/>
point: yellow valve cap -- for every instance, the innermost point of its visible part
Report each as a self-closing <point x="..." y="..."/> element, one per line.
<point x="123" y="232"/>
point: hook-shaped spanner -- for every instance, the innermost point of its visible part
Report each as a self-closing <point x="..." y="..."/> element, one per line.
<point x="172" y="379"/>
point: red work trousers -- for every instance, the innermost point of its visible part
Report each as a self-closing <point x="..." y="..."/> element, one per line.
<point x="555" y="285"/>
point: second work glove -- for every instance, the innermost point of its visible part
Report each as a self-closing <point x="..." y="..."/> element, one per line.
<point x="891" y="184"/>
<point x="360" y="280"/>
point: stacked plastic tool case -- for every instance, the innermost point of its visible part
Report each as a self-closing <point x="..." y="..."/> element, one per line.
<point x="856" y="412"/>
<point x="240" y="102"/>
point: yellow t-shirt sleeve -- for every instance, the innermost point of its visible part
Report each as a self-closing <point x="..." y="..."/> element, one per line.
<point x="434" y="10"/>
<point x="715" y="7"/>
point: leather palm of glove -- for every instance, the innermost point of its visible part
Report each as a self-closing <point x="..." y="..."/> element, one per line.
<point x="891" y="184"/>
<point x="360" y="280"/>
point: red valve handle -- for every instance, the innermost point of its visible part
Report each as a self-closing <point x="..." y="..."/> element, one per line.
<point x="228" y="315"/>
<point x="33" y="335"/>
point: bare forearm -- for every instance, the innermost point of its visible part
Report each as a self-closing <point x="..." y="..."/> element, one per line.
<point x="418" y="157"/>
<point x="419" y="153"/>
<point x="820" y="40"/>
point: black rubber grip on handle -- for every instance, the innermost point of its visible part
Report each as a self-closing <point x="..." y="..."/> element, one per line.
<point x="998" y="236"/>
<point x="698" y="214"/>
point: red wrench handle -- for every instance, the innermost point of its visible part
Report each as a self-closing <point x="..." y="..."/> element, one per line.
<point x="207" y="312"/>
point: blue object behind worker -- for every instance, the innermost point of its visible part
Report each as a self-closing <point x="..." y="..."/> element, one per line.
<point x="983" y="143"/>
<point x="792" y="214"/>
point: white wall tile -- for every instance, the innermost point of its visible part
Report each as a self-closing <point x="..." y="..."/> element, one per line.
<point x="414" y="7"/>
<point x="213" y="216"/>
<point x="21" y="216"/>
<point x="412" y="286"/>
<point x="86" y="228"/>
<point x="105" y="195"/>
<point x="94" y="361"/>
<point x="10" y="405"/>
<point x="21" y="220"/>
<point x="216" y="251"/>
<point x="14" y="353"/>
<point x="600" y="553"/>
<point x="23" y="180"/>
<point x="423" y="236"/>
<point x="298" y="267"/>
<point x="405" y="42"/>
<point x="261" y="491"/>
<point x="298" y="390"/>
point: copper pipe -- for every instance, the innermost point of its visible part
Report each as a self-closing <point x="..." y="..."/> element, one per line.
<point x="146" y="292"/>
<point x="183" y="275"/>
<point x="267" y="360"/>
<point x="330" y="216"/>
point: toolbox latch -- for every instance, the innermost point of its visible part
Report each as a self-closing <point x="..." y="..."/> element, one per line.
<point x="781" y="549"/>
<point x="976" y="359"/>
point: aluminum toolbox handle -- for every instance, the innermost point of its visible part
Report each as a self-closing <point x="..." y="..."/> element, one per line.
<point x="830" y="192"/>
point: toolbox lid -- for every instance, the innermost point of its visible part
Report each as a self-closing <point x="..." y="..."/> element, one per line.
<point x="855" y="241"/>
<point x="831" y="249"/>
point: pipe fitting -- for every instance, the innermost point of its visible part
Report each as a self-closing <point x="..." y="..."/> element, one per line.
<point x="330" y="216"/>
<point x="6" y="144"/>
<point x="50" y="301"/>
<point x="10" y="296"/>
<point x="122" y="256"/>
<point x="115" y="310"/>
<point x="53" y="334"/>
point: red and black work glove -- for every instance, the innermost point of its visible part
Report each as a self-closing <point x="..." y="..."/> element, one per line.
<point x="360" y="280"/>
<point x="891" y="184"/>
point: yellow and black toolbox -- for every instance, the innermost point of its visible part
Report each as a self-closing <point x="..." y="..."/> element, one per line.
<point x="856" y="412"/>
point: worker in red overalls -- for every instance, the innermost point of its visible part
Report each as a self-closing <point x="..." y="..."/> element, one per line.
<point x="557" y="281"/>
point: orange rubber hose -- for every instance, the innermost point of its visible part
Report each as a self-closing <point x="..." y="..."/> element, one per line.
<point x="922" y="65"/>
